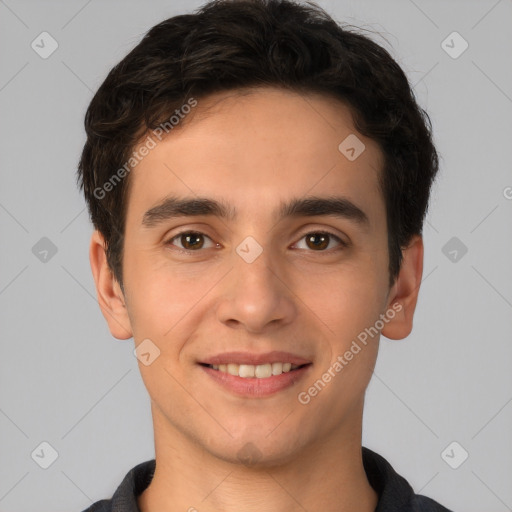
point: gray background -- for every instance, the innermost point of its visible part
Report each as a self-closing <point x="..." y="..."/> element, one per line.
<point x="66" y="381"/>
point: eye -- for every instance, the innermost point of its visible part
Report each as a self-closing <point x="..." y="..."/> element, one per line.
<point x="191" y="241"/>
<point x="321" y="240"/>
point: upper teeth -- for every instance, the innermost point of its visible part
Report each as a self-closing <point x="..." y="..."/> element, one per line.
<point x="260" y="371"/>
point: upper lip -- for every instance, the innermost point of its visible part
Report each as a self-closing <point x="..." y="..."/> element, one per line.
<point x="255" y="359"/>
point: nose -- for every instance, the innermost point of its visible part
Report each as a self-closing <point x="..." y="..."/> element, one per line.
<point x="256" y="295"/>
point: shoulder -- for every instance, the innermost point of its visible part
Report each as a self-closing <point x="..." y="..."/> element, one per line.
<point x="395" y="493"/>
<point x="125" y="497"/>
<point x="100" y="506"/>
<point x="423" y="504"/>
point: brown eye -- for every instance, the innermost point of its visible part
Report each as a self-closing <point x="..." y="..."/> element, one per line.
<point x="319" y="241"/>
<point x="190" y="241"/>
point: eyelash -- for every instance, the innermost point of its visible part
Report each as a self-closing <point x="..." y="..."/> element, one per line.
<point x="342" y="244"/>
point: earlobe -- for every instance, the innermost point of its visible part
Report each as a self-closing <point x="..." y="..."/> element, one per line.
<point x="109" y="294"/>
<point x="403" y="295"/>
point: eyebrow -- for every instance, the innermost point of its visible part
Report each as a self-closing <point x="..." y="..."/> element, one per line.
<point x="310" y="206"/>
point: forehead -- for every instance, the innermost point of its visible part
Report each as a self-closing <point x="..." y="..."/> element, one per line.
<point x="253" y="147"/>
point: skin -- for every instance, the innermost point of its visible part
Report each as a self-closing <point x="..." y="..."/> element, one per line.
<point x="254" y="151"/>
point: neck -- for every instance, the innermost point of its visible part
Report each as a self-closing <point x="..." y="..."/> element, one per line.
<point x="328" y="476"/>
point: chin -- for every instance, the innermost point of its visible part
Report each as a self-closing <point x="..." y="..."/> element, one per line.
<point x="259" y="449"/>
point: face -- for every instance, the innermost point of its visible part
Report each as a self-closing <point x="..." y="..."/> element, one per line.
<point x="282" y="258"/>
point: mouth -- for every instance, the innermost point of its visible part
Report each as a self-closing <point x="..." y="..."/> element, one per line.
<point x="251" y="375"/>
<point x="259" y="371"/>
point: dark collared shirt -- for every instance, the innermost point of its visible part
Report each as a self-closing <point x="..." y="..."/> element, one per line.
<point x="395" y="493"/>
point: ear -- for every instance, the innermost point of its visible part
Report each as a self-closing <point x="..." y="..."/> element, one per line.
<point x="109" y="293"/>
<point x="403" y="294"/>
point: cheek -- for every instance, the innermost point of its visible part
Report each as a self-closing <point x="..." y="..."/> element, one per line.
<point x="149" y="296"/>
<point x="350" y="307"/>
<point x="347" y="299"/>
<point x="163" y="298"/>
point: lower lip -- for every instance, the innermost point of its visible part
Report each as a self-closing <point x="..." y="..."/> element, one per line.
<point x="255" y="387"/>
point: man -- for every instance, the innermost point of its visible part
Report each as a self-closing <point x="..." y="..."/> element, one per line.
<point x="258" y="179"/>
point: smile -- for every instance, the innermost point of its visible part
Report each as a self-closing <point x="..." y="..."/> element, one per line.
<point x="260" y="371"/>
